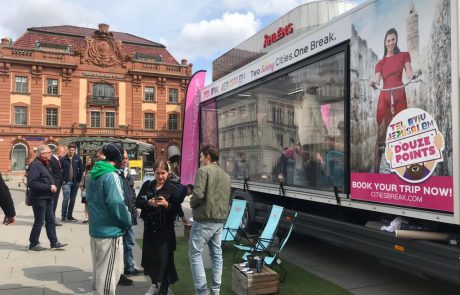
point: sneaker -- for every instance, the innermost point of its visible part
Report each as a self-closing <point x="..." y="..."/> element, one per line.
<point x="71" y="219"/>
<point x="58" y="245"/>
<point x="124" y="281"/>
<point x="63" y="219"/>
<point x="37" y="248"/>
<point x="135" y="272"/>
<point x="85" y="221"/>
<point x="151" y="290"/>
<point x="57" y="224"/>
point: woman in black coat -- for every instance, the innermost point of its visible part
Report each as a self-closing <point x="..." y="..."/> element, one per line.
<point x="159" y="201"/>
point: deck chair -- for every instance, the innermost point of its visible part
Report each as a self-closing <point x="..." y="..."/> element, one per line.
<point x="234" y="219"/>
<point x="272" y="256"/>
<point x="265" y="240"/>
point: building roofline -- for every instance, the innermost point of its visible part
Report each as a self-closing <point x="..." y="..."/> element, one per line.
<point x="44" y="31"/>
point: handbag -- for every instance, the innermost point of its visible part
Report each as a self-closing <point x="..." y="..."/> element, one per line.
<point x="28" y="198"/>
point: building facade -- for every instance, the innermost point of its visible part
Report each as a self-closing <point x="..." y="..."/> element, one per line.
<point x="67" y="84"/>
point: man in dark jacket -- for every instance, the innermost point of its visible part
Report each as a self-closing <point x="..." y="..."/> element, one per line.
<point x="41" y="189"/>
<point x="56" y="171"/>
<point x="128" y="237"/>
<point x="6" y="202"/>
<point x="72" y="172"/>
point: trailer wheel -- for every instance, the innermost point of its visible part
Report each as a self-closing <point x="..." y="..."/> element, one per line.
<point x="247" y="224"/>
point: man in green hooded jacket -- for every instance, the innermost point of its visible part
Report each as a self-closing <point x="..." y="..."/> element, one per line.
<point x="108" y="220"/>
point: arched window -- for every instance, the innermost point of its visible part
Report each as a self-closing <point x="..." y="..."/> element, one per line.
<point x="103" y="90"/>
<point x="19" y="157"/>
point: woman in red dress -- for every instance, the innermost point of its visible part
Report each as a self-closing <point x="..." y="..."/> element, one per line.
<point x="390" y="70"/>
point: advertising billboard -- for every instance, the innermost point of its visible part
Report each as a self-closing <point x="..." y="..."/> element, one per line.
<point x="401" y="119"/>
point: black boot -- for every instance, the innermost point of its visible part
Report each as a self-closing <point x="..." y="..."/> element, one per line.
<point x="124" y="281"/>
<point x="163" y="288"/>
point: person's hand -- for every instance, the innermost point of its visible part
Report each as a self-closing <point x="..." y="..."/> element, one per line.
<point x="161" y="201"/>
<point x="417" y="74"/>
<point x="184" y="220"/>
<point x="8" y="220"/>
<point x="53" y="188"/>
<point x="152" y="202"/>
<point x="373" y="85"/>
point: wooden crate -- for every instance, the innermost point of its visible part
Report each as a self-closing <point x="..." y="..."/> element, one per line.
<point x="265" y="282"/>
<point x="187" y="228"/>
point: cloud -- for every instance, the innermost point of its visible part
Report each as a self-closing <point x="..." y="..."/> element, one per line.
<point x="210" y="37"/>
<point x="17" y="16"/>
<point x="264" y="7"/>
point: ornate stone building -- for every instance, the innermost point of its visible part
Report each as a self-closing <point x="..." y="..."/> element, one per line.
<point x="65" y="84"/>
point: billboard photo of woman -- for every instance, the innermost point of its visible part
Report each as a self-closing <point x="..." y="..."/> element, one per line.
<point x="392" y="97"/>
<point x="400" y="96"/>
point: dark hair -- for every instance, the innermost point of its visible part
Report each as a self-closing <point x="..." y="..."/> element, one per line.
<point x="190" y="186"/>
<point x="389" y="32"/>
<point x="161" y="164"/>
<point x="90" y="165"/>
<point x="212" y="151"/>
<point x="72" y="146"/>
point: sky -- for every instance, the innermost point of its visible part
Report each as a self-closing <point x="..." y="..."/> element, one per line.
<point x="199" y="31"/>
<point x="383" y="12"/>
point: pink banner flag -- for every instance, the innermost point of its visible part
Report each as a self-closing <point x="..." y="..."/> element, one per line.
<point x="191" y="130"/>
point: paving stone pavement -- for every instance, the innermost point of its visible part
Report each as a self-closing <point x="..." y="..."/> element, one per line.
<point x="55" y="272"/>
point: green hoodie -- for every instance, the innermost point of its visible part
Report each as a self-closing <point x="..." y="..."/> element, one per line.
<point x="100" y="168"/>
<point x="108" y="215"/>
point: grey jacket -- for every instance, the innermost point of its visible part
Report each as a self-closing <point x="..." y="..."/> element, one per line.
<point x="211" y="194"/>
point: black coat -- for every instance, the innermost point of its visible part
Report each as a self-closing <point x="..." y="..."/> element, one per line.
<point x="39" y="180"/>
<point x="159" y="236"/>
<point x="6" y="202"/>
<point x="130" y="198"/>
<point x="56" y="171"/>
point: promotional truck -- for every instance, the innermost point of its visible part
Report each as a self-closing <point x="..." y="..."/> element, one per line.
<point x="353" y="124"/>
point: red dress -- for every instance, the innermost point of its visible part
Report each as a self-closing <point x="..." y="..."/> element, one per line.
<point x="391" y="69"/>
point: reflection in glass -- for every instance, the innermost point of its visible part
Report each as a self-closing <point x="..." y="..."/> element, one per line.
<point x="208" y="132"/>
<point x="289" y="129"/>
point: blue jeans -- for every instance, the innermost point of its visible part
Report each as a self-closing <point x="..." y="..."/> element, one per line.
<point x="128" y="249"/>
<point x="203" y="233"/>
<point x="43" y="214"/>
<point x="69" y="191"/>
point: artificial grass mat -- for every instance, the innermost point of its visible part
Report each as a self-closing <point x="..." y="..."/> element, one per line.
<point x="298" y="281"/>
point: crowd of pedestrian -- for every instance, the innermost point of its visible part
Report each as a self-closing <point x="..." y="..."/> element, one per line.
<point x="111" y="204"/>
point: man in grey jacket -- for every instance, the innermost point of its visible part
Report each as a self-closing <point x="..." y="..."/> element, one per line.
<point x="210" y="204"/>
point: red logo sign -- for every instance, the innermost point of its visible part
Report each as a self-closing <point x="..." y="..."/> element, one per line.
<point x="278" y="35"/>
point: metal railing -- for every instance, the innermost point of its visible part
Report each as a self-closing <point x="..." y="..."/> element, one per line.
<point x="102" y="100"/>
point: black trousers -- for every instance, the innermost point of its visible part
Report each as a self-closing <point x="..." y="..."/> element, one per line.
<point x="55" y="200"/>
